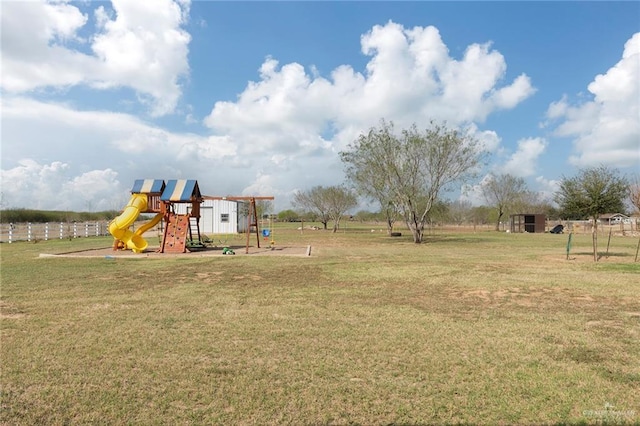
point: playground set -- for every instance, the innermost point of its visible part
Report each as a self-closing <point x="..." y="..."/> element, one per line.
<point x="181" y="231"/>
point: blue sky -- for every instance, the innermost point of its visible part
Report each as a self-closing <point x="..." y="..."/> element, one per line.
<point x="258" y="98"/>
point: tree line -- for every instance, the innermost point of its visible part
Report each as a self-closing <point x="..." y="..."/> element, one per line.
<point x="407" y="173"/>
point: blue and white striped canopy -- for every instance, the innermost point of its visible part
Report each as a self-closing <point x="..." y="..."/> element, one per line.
<point x="148" y="186"/>
<point x="181" y="190"/>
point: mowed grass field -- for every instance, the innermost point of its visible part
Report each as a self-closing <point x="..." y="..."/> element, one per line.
<point x="474" y="328"/>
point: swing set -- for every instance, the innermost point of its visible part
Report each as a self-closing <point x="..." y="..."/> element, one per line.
<point x="181" y="224"/>
<point x="252" y="218"/>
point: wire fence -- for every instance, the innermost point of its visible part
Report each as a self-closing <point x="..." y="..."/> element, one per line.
<point x="13" y="232"/>
<point x="627" y="228"/>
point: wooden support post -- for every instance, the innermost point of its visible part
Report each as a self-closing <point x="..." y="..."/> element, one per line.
<point x="252" y="220"/>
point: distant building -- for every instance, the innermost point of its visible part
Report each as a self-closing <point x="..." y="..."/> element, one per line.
<point x="614" y="218"/>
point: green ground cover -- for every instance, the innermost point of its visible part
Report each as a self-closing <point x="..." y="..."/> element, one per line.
<point x="480" y="328"/>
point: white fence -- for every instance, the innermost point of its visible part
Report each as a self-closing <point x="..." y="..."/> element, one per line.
<point x="11" y="232"/>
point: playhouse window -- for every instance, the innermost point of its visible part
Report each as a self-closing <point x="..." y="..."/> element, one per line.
<point x="224" y="217"/>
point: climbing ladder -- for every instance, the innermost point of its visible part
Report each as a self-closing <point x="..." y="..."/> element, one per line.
<point x="175" y="234"/>
<point x="195" y="239"/>
<point x="194" y="229"/>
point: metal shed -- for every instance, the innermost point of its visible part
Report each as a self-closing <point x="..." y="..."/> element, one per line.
<point x="532" y="223"/>
<point x="220" y="216"/>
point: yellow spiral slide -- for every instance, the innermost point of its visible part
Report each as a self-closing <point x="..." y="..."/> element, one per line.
<point x="119" y="227"/>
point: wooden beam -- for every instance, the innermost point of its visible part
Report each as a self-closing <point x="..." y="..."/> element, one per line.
<point x="236" y="197"/>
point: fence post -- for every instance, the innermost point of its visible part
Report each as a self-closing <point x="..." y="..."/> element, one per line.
<point x="569" y="244"/>
<point x="75" y="230"/>
<point x="97" y="229"/>
<point x="86" y="229"/>
<point x="10" y="233"/>
<point x="61" y="230"/>
<point x="46" y="231"/>
<point x="29" y="231"/>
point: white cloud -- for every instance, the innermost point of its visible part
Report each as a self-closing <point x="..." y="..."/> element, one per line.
<point x="96" y="144"/>
<point x="281" y="134"/>
<point x="91" y="191"/>
<point x="557" y="109"/>
<point x="473" y="192"/>
<point x="57" y="128"/>
<point x="410" y="78"/>
<point x="606" y="130"/>
<point x="143" y="47"/>
<point x="95" y="189"/>
<point x="51" y="24"/>
<point x="547" y="187"/>
<point x="510" y="96"/>
<point x="522" y="163"/>
<point x="263" y="184"/>
<point x="105" y="152"/>
<point x="488" y="140"/>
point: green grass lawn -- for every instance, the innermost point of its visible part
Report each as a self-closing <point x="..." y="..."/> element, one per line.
<point x="481" y="328"/>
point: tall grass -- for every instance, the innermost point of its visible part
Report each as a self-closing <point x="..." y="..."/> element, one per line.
<point x="485" y="328"/>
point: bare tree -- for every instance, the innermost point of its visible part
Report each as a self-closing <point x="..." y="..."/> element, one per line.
<point x="634" y="193"/>
<point x="460" y="211"/>
<point x="411" y="170"/>
<point x="328" y="203"/>
<point x="535" y="202"/>
<point x="504" y="192"/>
<point x="592" y="192"/>
<point x="634" y="196"/>
<point x="312" y="201"/>
<point x="339" y="200"/>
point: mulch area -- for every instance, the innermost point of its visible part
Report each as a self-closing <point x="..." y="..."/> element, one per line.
<point x="153" y="252"/>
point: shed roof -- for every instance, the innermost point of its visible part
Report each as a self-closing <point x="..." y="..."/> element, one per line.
<point x="612" y="215"/>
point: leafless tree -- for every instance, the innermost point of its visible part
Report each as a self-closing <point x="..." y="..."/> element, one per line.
<point x="328" y="203"/>
<point x="504" y="192"/>
<point x="634" y="193"/>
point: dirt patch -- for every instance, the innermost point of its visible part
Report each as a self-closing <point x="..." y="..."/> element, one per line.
<point x="153" y="252"/>
<point x="527" y="297"/>
<point x="9" y="311"/>
<point x="586" y="257"/>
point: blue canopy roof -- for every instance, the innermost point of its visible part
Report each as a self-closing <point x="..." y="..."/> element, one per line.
<point x="181" y="190"/>
<point x="148" y="186"/>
